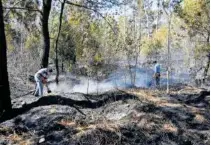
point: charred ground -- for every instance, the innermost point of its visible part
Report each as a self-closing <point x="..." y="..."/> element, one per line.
<point x="132" y="116"/>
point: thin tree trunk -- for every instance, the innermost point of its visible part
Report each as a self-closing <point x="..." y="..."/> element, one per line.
<point x="207" y="66"/>
<point x="208" y="58"/>
<point x="147" y="17"/>
<point x="168" y="47"/>
<point x="57" y="39"/>
<point x="45" y="32"/>
<point x="135" y="46"/>
<point x="5" y="101"/>
<point x="62" y="65"/>
<point x="87" y="87"/>
<point x="158" y="15"/>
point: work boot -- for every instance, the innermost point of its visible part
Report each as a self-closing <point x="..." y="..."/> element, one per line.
<point x="35" y="94"/>
<point x="49" y="91"/>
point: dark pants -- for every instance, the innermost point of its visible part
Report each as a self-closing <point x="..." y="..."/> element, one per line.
<point x="157" y="79"/>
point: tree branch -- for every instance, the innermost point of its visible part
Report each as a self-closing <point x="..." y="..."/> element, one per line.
<point x="23" y="8"/>
<point x="13" y="6"/>
<point x="82" y="6"/>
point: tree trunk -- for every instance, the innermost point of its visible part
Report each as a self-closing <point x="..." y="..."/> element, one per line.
<point x="147" y="19"/>
<point x="208" y="58"/>
<point x="158" y="15"/>
<point x="168" y="47"/>
<point x="57" y="40"/>
<point x="46" y="39"/>
<point x="62" y="65"/>
<point x="5" y="101"/>
<point x="207" y="66"/>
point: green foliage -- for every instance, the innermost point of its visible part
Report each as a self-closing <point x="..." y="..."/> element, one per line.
<point x="98" y="58"/>
<point x="151" y="45"/>
<point x="160" y="36"/>
<point x="195" y="13"/>
<point x="32" y="41"/>
<point x="70" y="67"/>
<point x="94" y="29"/>
<point x="147" y="46"/>
<point x="86" y="38"/>
<point x="201" y="50"/>
<point x="9" y="37"/>
<point x="74" y="20"/>
<point x="122" y="25"/>
<point x="10" y="45"/>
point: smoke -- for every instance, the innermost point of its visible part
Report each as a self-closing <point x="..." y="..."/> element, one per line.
<point x="120" y="79"/>
<point x="81" y="85"/>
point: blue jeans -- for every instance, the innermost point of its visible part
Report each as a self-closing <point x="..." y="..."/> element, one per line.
<point x="39" y="87"/>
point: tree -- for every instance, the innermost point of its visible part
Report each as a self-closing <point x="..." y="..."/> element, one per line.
<point x="196" y="16"/>
<point x="57" y="39"/>
<point x="45" y="32"/>
<point x="45" y="12"/>
<point x="167" y="8"/>
<point x="32" y="6"/>
<point x="5" y="101"/>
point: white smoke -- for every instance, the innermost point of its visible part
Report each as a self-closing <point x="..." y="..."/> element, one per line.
<point x="119" y="79"/>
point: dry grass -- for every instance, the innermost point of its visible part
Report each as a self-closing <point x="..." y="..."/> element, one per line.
<point x="146" y="119"/>
<point x="150" y="96"/>
<point x="66" y="122"/>
<point x="99" y="133"/>
<point x="52" y="110"/>
<point x="145" y="95"/>
<point x="195" y="110"/>
<point x="167" y="104"/>
<point x="190" y="90"/>
<point x="169" y="127"/>
<point x="8" y="134"/>
<point x="187" y="90"/>
<point x="146" y="124"/>
<point x="199" y="118"/>
<point x="153" y="97"/>
<point x="5" y="129"/>
<point x="108" y="126"/>
<point x="18" y="139"/>
<point x="102" y="124"/>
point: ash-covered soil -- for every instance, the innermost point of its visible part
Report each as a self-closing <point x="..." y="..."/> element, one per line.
<point x="124" y="117"/>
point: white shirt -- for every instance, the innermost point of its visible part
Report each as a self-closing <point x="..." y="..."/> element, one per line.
<point x="42" y="73"/>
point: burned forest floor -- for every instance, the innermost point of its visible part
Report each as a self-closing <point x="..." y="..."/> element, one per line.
<point x="122" y="117"/>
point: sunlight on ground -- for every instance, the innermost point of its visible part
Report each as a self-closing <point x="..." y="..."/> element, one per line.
<point x="145" y="95"/>
<point x="169" y="128"/>
<point x="154" y="97"/>
<point x="146" y="124"/>
<point x="199" y="118"/>
<point x="65" y="122"/>
<point x="15" y="138"/>
<point x="82" y="129"/>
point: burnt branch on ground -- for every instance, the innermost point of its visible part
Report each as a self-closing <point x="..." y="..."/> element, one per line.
<point x="59" y="100"/>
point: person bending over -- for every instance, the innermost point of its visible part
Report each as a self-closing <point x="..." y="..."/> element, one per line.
<point x="41" y="78"/>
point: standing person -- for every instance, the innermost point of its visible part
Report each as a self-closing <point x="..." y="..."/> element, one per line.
<point x="157" y="73"/>
<point x="41" y="78"/>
